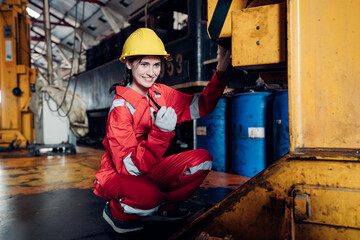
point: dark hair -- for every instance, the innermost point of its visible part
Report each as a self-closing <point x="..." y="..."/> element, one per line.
<point x="127" y="76"/>
<point x="128" y="73"/>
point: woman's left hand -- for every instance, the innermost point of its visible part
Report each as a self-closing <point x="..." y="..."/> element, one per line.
<point x="223" y="58"/>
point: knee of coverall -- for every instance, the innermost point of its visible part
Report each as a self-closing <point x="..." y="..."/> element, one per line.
<point x="136" y="189"/>
<point x="204" y="155"/>
<point x="144" y="192"/>
<point x="200" y="159"/>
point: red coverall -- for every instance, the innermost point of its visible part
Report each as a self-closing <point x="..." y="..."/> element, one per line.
<point x="134" y="176"/>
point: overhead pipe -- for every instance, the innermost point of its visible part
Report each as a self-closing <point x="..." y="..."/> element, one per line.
<point x="48" y="42"/>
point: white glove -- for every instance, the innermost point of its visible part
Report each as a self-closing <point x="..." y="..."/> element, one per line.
<point x="165" y="119"/>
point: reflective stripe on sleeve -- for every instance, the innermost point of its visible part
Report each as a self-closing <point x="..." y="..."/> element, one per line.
<point x="117" y="103"/>
<point x="130" y="166"/>
<point x="194" y="107"/>
<point x="130" y="107"/>
<point x="207" y="165"/>
<point x="139" y="212"/>
<point x="120" y="103"/>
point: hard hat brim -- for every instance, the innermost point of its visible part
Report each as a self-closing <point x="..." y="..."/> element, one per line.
<point x="125" y="56"/>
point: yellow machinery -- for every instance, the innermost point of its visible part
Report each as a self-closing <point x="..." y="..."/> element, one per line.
<point x="17" y="79"/>
<point x="314" y="191"/>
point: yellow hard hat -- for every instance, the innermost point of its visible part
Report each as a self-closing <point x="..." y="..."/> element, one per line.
<point x="143" y="41"/>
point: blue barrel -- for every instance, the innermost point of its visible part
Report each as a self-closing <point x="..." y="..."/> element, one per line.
<point x="281" y="124"/>
<point x="211" y="135"/>
<point x="252" y="132"/>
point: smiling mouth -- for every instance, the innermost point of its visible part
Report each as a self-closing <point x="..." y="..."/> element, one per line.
<point x="148" y="79"/>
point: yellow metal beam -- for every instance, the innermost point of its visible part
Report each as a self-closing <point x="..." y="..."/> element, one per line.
<point x="313" y="192"/>
<point x="294" y="198"/>
<point x="259" y="36"/>
<point x="324" y="60"/>
<point x="17" y="79"/>
<point x="12" y="139"/>
<point x="219" y="15"/>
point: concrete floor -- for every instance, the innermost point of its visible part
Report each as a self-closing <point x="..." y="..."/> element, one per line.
<point x="50" y="197"/>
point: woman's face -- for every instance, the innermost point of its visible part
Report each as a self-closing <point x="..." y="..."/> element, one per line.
<point x="145" y="71"/>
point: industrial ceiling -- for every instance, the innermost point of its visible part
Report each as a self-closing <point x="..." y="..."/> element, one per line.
<point x="76" y="25"/>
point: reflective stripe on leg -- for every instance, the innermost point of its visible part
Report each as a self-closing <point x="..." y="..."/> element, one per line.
<point x="140" y="212"/>
<point x="207" y="165"/>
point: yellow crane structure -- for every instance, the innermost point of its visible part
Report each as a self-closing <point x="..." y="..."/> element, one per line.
<point x="314" y="191"/>
<point x="17" y="78"/>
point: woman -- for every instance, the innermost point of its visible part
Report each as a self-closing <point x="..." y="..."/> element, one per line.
<point x="135" y="178"/>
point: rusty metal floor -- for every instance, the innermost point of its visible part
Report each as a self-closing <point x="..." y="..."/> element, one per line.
<point x="50" y="197"/>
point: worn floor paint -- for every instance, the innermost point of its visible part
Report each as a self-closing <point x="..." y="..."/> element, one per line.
<point x="50" y="197"/>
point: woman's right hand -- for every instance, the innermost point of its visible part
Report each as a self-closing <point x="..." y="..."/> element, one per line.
<point x="223" y="58"/>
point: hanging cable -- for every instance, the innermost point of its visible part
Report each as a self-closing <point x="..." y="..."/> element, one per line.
<point x="71" y="68"/>
<point x="81" y="40"/>
<point x="146" y="15"/>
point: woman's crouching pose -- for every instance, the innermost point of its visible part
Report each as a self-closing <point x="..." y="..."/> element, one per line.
<point x="134" y="177"/>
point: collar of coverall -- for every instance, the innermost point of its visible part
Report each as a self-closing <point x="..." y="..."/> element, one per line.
<point x="131" y="96"/>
